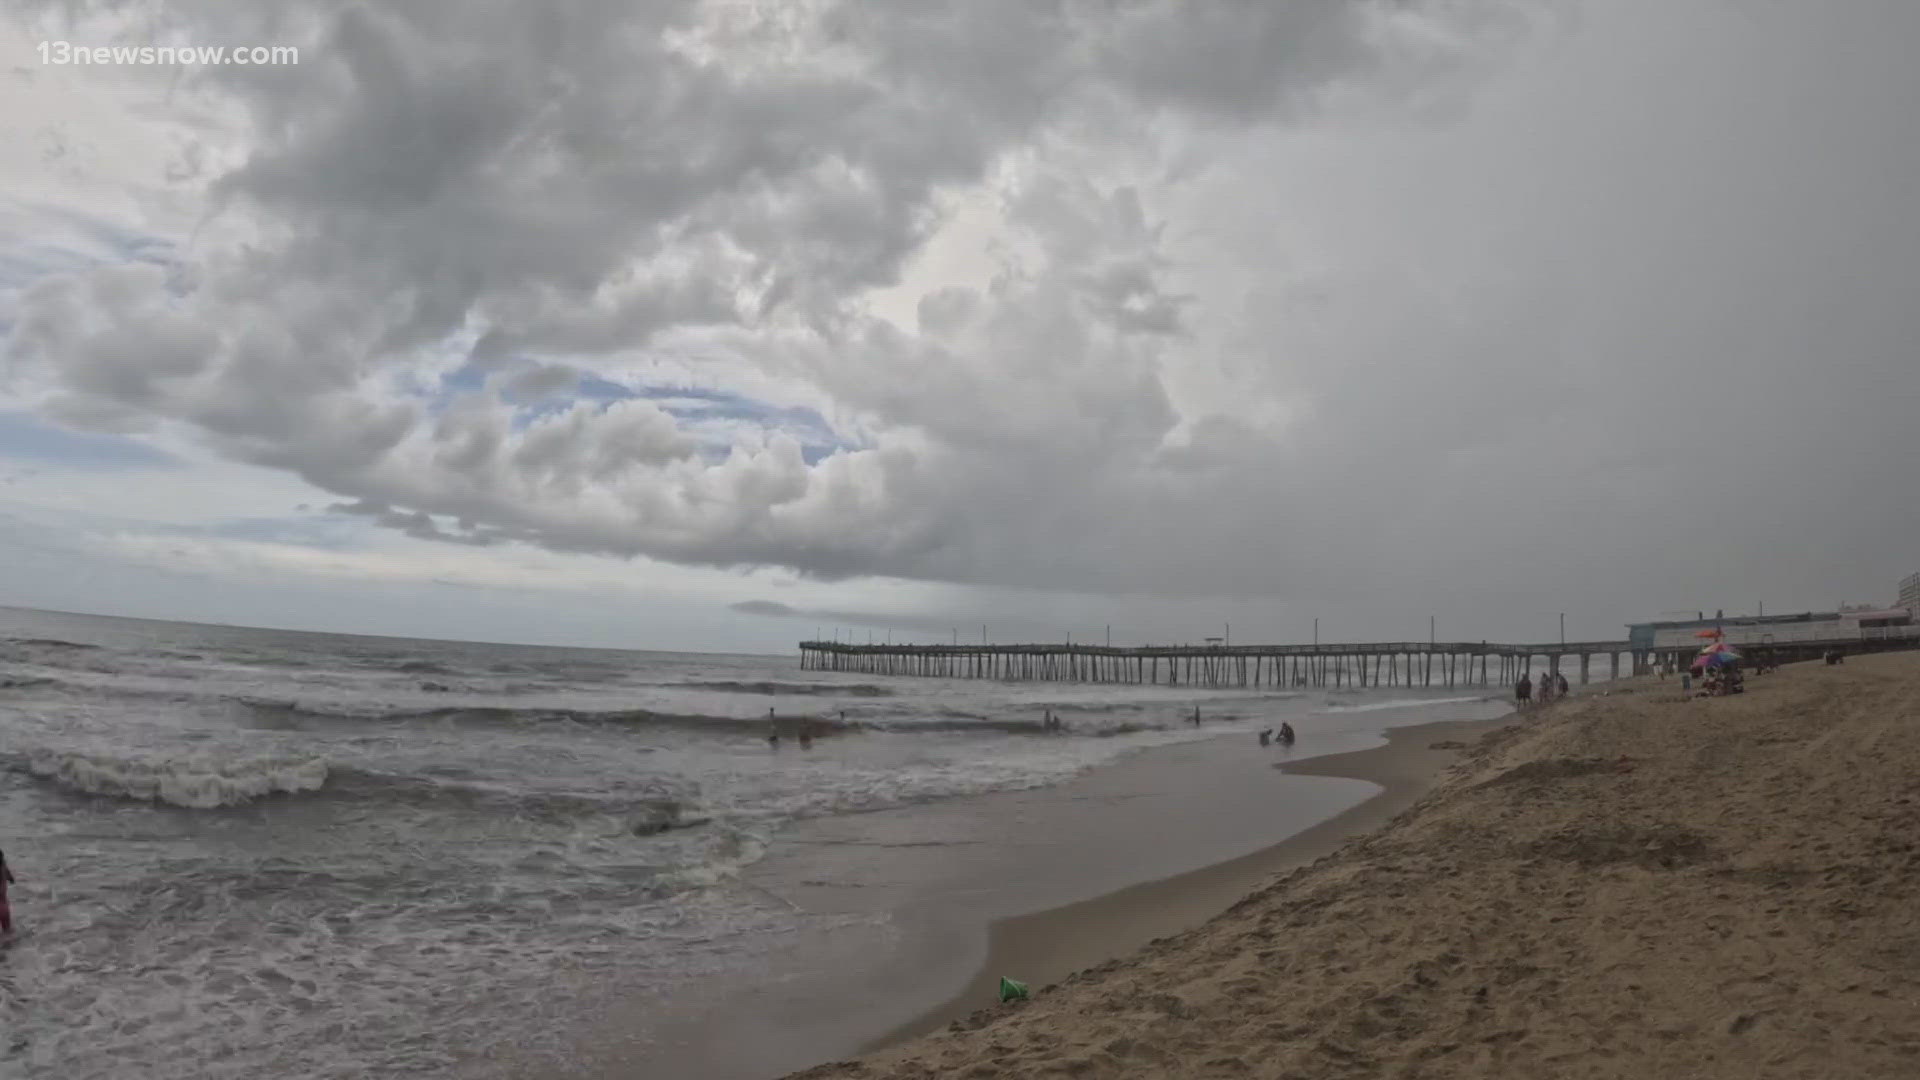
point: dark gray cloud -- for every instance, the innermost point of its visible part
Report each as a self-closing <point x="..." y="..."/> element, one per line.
<point x="1390" y="305"/>
<point x="765" y="607"/>
<point x="963" y="626"/>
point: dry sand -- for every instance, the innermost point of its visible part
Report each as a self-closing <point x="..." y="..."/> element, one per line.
<point x="1627" y="885"/>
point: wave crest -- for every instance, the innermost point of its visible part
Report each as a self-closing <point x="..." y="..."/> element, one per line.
<point x="197" y="783"/>
<point x="786" y="689"/>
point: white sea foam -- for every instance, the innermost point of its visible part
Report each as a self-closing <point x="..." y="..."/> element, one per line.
<point x="1402" y="703"/>
<point x="200" y="782"/>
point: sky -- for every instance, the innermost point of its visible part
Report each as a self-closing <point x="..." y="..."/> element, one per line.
<point x="719" y="325"/>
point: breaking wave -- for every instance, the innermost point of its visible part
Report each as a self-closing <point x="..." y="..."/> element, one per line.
<point x="1399" y="703"/>
<point x="644" y="812"/>
<point x="196" y="782"/>
<point x="1119" y="719"/>
<point x="731" y="686"/>
<point x="51" y="643"/>
<point x="288" y="714"/>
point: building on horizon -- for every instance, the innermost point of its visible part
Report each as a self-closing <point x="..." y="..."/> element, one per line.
<point x="1847" y="622"/>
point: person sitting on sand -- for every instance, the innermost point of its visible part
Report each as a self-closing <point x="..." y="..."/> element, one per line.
<point x="1523" y="691"/>
<point x="6" y="879"/>
<point x="1286" y="734"/>
<point x="1266" y="737"/>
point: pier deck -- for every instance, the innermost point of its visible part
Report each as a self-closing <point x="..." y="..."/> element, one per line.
<point x="1423" y="664"/>
<point x="1359" y="664"/>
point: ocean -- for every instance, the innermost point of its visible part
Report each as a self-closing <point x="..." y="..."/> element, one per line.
<point x="249" y="852"/>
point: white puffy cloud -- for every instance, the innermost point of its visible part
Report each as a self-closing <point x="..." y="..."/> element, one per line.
<point x="1424" y="303"/>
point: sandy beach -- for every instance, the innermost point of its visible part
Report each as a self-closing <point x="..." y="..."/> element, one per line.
<point x="916" y="910"/>
<point x="1628" y="884"/>
<point x="1047" y="946"/>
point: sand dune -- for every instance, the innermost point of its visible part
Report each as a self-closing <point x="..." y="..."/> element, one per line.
<point x="1627" y="885"/>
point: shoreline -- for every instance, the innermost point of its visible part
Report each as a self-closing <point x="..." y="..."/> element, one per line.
<point x="1045" y="947"/>
<point x="910" y="906"/>
<point x="1631" y="883"/>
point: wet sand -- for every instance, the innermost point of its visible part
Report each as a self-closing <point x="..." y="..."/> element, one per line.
<point x="920" y="907"/>
<point x="1045" y="947"/>
<point x="1627" y="884"/>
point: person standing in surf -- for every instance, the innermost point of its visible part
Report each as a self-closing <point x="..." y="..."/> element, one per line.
<point x="6" y="879"/>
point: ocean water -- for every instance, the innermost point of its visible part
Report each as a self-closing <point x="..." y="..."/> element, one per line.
<point x="266" y="853"/>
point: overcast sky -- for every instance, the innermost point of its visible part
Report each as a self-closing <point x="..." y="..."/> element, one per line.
<point x="702" y="325"/>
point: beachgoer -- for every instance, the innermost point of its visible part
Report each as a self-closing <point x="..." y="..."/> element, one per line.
<point x="773" y="729"/>
<point x="1560" y="687"/>
<point x="1286" y="734"/>
<point x="1266" y="737"/>
<point x="6" y="911"/>
<point x="1523" y="691"/>
<point x="1196" y="716"/>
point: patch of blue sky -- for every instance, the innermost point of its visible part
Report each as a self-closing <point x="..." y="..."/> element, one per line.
<point x="24" y="265"/>
<point x="465" y="379"/>
<point x="714" y="413"/>
<point x="595" y="388"/>
<point x="28" y="438"/>
<point x="63" y="241"/>
<point x="712" y="416"/>
<point x="438" y="388"/>
<point x="698" y="404"/>
<point x="106" y="235"/>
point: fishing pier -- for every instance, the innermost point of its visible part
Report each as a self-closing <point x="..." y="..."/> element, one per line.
<point x="1423" y="664"/>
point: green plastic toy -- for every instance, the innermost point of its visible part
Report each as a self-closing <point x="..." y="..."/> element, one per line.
<point x="1011" y="990"/>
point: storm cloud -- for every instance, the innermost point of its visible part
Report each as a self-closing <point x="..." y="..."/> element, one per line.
<point x="1387" y="305"/>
